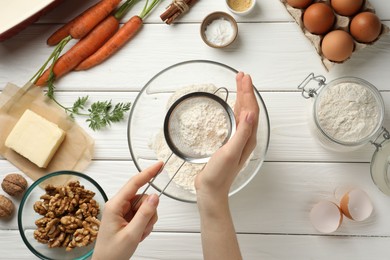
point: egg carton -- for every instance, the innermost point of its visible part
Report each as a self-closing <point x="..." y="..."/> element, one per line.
<point x="342" y="23"/>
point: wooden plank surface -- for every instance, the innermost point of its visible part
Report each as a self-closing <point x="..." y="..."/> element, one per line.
<point x="172" y="246"/>
<point x="291" y="138"/>
<point x="277" y="55"/>
<point x="271" y="213"/>
<point x="278" y="200"/>
<point x="265" y="11"/>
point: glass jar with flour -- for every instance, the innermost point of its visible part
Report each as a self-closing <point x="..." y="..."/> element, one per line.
<point x="347" y="114"/>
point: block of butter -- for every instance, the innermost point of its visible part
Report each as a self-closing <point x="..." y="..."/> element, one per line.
<point x="35" y="138"/>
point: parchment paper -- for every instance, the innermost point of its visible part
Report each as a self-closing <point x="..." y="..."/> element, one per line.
<point x="342" y="23"/>
<point x="76" y="151"/>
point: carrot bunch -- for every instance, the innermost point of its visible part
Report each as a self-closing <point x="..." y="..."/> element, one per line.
<point x="123" y="35"/>
<point x="85" y="22"/>
<point x="99" y="38"/>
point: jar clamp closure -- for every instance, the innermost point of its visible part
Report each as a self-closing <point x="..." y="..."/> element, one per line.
<point x="347" y="114"/>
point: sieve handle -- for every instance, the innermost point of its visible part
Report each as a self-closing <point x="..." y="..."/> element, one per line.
<point x="226" y="90"/>
<point x="166" y="186"/>
<point x="151" y="181"/>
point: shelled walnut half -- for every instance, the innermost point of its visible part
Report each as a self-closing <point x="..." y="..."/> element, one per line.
<point x="69" y="216"/>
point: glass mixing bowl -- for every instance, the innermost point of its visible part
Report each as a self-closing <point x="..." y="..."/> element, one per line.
<point x="149" y="109"/>
<point x="27" y="216"/>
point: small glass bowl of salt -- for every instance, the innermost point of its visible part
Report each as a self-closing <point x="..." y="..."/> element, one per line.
<point x="218" y="30"/>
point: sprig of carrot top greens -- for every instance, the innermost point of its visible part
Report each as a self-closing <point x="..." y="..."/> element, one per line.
<point x="101" y="113"/>
<point x="148" y="8"/>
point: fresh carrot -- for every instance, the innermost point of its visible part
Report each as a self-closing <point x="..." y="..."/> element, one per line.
<point x="60" y="34"/>
<point x="92" y="17"/>
<point x="82" y="24"/>
<point x="123" y="35"/>
<point x="81" y="50"/>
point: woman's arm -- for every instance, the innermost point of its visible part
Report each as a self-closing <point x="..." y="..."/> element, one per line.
<point x="219" y="240"/>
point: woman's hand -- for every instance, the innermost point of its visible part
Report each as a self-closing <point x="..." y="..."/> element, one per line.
<point x="123" y="225"/>
<point x="219" y="240"/>
<point x="214" y="182"/>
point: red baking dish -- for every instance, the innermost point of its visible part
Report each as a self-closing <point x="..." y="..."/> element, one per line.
<point x="15" y="15"/>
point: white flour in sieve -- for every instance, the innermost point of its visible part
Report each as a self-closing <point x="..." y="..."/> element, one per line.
<point x="348" y="112"/>
<point x="204" y="132"/>
<point x="202" y="126"/>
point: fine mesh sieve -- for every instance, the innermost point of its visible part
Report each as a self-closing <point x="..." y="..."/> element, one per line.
<point x="187" y="109"/>
<point x="180" y="143"/>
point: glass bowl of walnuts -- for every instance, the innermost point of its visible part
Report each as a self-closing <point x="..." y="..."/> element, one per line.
<point x="59" y="215"/>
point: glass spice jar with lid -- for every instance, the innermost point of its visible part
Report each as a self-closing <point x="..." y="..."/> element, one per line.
<point x="348" y="113"/>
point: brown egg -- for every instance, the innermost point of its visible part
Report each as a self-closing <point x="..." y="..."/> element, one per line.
<point x="346" y="7"/>
<point x="365" y="27"/>
<point x="299" y="3"/>
<point x="337" y="46"/>
<point x="318" y="18"/>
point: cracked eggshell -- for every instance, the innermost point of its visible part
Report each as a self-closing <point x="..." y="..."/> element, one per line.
<point x="326" y="216"/>
<point x="356" y="205"/>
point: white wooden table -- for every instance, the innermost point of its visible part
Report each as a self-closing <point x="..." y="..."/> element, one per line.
<point x="271" y="214"/>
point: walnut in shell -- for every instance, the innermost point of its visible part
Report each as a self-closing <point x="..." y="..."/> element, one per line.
<point x="14" y="184"/>
<point x="6" y="207"/>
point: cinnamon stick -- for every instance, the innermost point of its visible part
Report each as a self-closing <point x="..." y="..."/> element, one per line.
<point x="171" y="19"/>
<point x="173" y="12"/>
